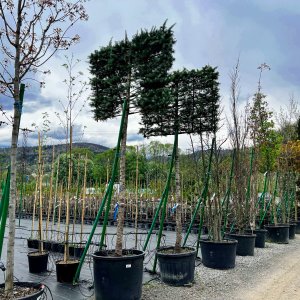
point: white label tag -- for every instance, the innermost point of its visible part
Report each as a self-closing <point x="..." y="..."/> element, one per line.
<point x="128" y="266"/>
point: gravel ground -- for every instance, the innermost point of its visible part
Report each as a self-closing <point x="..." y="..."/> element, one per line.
<point x="228" y="284"/>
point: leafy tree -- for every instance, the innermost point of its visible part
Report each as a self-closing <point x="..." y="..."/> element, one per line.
<point x="265" y="139"/>
<point x="123" y="70"/>
<point x="31" y="31"/>
<point x="104" y="160"/>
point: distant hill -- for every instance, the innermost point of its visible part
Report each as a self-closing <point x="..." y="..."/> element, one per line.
<point x="29" y="154"/>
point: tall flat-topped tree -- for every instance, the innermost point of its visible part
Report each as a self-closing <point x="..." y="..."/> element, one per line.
<point x="190" y="105"/>
<point x="123" y="70"/>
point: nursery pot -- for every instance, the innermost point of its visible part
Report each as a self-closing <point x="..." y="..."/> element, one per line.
<point x="57" y="247"/>
<point x="76" y="250"/>
<point x="36" y="295"/>
<point x="37" y="261"/>
<point x="65" y="271"/>
<point x="176" y="268"/>
<point x="218" y="255"/>
<point x="48" y="245"/>
<point x="298" y="227"/>
<point x="118" y="277"/>
<point x="292" y="231"/>
<point x="246" y="243"/>
<point x="260" y="239"/>
<point x="33" y="243"/>
<point x="278" y="233"/>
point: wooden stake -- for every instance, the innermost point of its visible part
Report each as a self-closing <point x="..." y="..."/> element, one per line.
<point x="50" y="194"/>
<point x="83" y="200"/>
<point x="136" y="195"/>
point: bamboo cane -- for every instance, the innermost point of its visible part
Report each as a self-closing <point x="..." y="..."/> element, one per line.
<point x="83" y="199"/>
<point x="55" y="198"/>
<point x="76" y="201"/>
<point x="40" y="194"/>
<point x="67" y="226"/>
<point x="51" y="192"/>
<point x="34" y="206"/>
<point x="59" y="211"/>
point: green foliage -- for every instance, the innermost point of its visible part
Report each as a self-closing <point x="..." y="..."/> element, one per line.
<point x="126" y="68"/>
<point x="191" y="104"/>
<point x="63" y="172"/>
<point x="265" y="139"/>
<point x="103" y="164"/>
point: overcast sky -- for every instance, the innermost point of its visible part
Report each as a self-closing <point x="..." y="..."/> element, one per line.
<point x="214" y="32"/>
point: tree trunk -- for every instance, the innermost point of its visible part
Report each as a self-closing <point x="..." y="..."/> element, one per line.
<point x="13" y="160"/>
<point x="123" y="152"/>
<point x="178" y="200"/>
<point x="119" y="242"/>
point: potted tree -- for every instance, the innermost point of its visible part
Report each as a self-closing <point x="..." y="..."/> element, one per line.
<point x="266" y="142"/>
<point x="181" y="111"/>
<point x="238" y="131"/>
<point x="38" y="260"/>
<point x="218" y="252"/>
<point x="118" y="273"/>
<point x="27" y="48"/>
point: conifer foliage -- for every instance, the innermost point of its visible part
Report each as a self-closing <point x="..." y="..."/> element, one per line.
<point x="191" y="104"/>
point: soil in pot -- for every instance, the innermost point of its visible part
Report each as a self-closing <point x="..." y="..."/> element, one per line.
<point x="246" y="243"/>
<point x="65" y="271"/>
<point x="37" y="261"/>
<point x="292" y="231"/>
<point x="218" y="255"/>
<point x="176" y="268"/>
<point x="24" y="291"/>
<point x="278" y="233"/>
<point x="118" y="277"/>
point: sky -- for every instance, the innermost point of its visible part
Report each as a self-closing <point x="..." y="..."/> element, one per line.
<point x="215" y="32"/>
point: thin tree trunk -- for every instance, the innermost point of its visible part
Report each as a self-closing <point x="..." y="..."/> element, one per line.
<point x="83" y="199"/>
<point x="136" y="195"/>
<point x="50" y="194"/>
<point x="13" y="160"/>
<point x="178" y="200"/>
<point x="119" y="242"/>
<point x="40" y="196"/>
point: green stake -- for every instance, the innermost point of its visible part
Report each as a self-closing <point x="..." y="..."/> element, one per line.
<point x="107" y="194"/>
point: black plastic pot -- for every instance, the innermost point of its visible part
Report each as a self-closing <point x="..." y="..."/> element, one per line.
<point x="218" y="255"/>
<point x="260" y="239"/>
<point x="292" y="231"/>
<point x="37" y="262"/>
<point x="36" y="296"/>
<point x="246" y="243"/>
<point x="118" y="278"/>
<point x="278" y="233"/>
<point x="33" y="243"/>
<point x="298" y="227"/>
<point x="48" y="245"/>
<point x="57" y="247"/>
<point x="78" y="251"/>
<point x="65" y="271"/>
<point x="176" y="268"/>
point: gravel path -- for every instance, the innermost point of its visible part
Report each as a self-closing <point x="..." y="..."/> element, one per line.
<point x="271" y="274"/>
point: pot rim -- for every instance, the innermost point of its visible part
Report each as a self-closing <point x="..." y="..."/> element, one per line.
<point x="44" y="253"/>
<point x="223" y="242"/>
<point x="242" y="235"/>
<point x="28" y="284"/>
<point x="137" y="254"/>
<point x="277" y="226"/>
<point x="159" y="253"/>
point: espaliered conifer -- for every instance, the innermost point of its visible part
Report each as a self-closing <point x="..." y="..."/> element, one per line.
<point x="190" y="105"/>
<point x="124" y="69"/>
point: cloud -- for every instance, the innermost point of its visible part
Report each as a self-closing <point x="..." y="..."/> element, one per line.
<point x="207" y="32"/>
